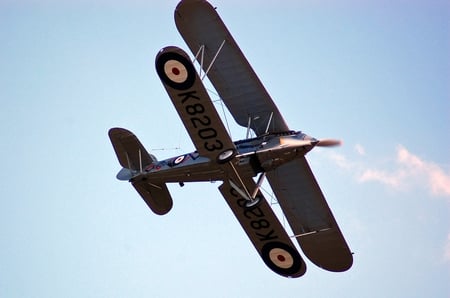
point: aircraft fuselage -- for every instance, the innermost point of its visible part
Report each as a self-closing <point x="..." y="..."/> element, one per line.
<point x="256" y="155"/>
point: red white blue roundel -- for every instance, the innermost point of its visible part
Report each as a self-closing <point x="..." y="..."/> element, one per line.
<point x="281" y="258"/>
<point x="179" y="160"/>
<point x="175" y="70"/>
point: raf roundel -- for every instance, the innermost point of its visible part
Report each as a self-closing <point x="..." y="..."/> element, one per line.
<point x="175" y="70"/>
<point x="281" y="258"/>
<point x="178" y="160"/>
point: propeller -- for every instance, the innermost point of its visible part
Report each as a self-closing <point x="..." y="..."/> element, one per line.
<point x="310" y="141"/>
<point x="329" y="143"/>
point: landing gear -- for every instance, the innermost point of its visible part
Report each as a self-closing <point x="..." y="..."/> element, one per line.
<point x="252" y="202"/>
<point x="226" y="156"/>
<point x="253" y="199"/>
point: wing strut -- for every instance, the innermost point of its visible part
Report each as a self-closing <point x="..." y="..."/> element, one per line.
<point x="140" y="161"/>
<point x="258" y="184"/>
<point x="214" y="59"/>
<point x="262" y="227"/>
<point x="268" y="122"/>
<point x="247" y="135"/>
<point x="201" y="52"/>
<point x="253" y="198"/>
<point x="231" y="75"/>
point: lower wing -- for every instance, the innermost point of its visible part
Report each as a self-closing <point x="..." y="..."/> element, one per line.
<point x="262" y="226"/>
<point x="309" y="216"/>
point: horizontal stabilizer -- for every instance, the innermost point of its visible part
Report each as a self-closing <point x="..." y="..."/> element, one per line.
<point x="130" y="152"/>
<point x="156" y="196"/>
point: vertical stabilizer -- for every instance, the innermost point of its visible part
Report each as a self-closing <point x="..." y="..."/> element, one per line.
<point x="133" y="157"/>
<point x="129" y="150"/>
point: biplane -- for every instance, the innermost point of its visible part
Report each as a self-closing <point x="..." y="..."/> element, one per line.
<point x="273" y="151"/>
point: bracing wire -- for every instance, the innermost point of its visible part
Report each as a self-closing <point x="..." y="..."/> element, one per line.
<point x="274" y="201"/>
<point x="171" y="148"/>
<point x="220" y="101"/>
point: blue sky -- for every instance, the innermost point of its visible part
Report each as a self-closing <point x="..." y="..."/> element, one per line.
<point x="375" y="74"/>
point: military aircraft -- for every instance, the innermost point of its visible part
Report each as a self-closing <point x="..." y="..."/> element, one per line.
<point x="275" y="152"/>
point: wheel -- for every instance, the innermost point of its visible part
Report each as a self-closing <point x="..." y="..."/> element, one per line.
<point x="253" y="202"/>
<point x="226" y="156"/>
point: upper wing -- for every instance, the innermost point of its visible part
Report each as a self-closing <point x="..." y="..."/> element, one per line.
<point x="193" y="104"/>
<point x="262" y="227"/>
<point x="230" y="73"/>
<point x="309" y="216"/>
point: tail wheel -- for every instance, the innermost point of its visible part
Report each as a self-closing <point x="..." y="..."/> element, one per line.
<point x="226" y="156"/>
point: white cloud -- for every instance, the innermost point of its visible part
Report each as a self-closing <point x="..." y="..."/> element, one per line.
<point x="395" y="180"/>
<point x="360" y="149"/>
<point x="411" y="171"/>
<point x="340" y="160"/>
<point x="405" y="172"/>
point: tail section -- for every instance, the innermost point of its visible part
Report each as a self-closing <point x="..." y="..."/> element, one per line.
<point x="156" y="196"/>
<point x="133" y="157"/>
<point x="130" y="152"/>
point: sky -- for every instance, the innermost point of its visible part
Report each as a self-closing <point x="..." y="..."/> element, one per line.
<point x="375" y="74"/>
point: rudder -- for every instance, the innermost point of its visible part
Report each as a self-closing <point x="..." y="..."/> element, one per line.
<point x="129" y="150"/>
<point x="133" y="157"/>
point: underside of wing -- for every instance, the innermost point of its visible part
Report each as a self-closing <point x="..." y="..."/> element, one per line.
<point x="193" y="104"/>
<point x="227" y="68"/>
<point x="309" y="216"/>
<point x="262" y="226"/>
